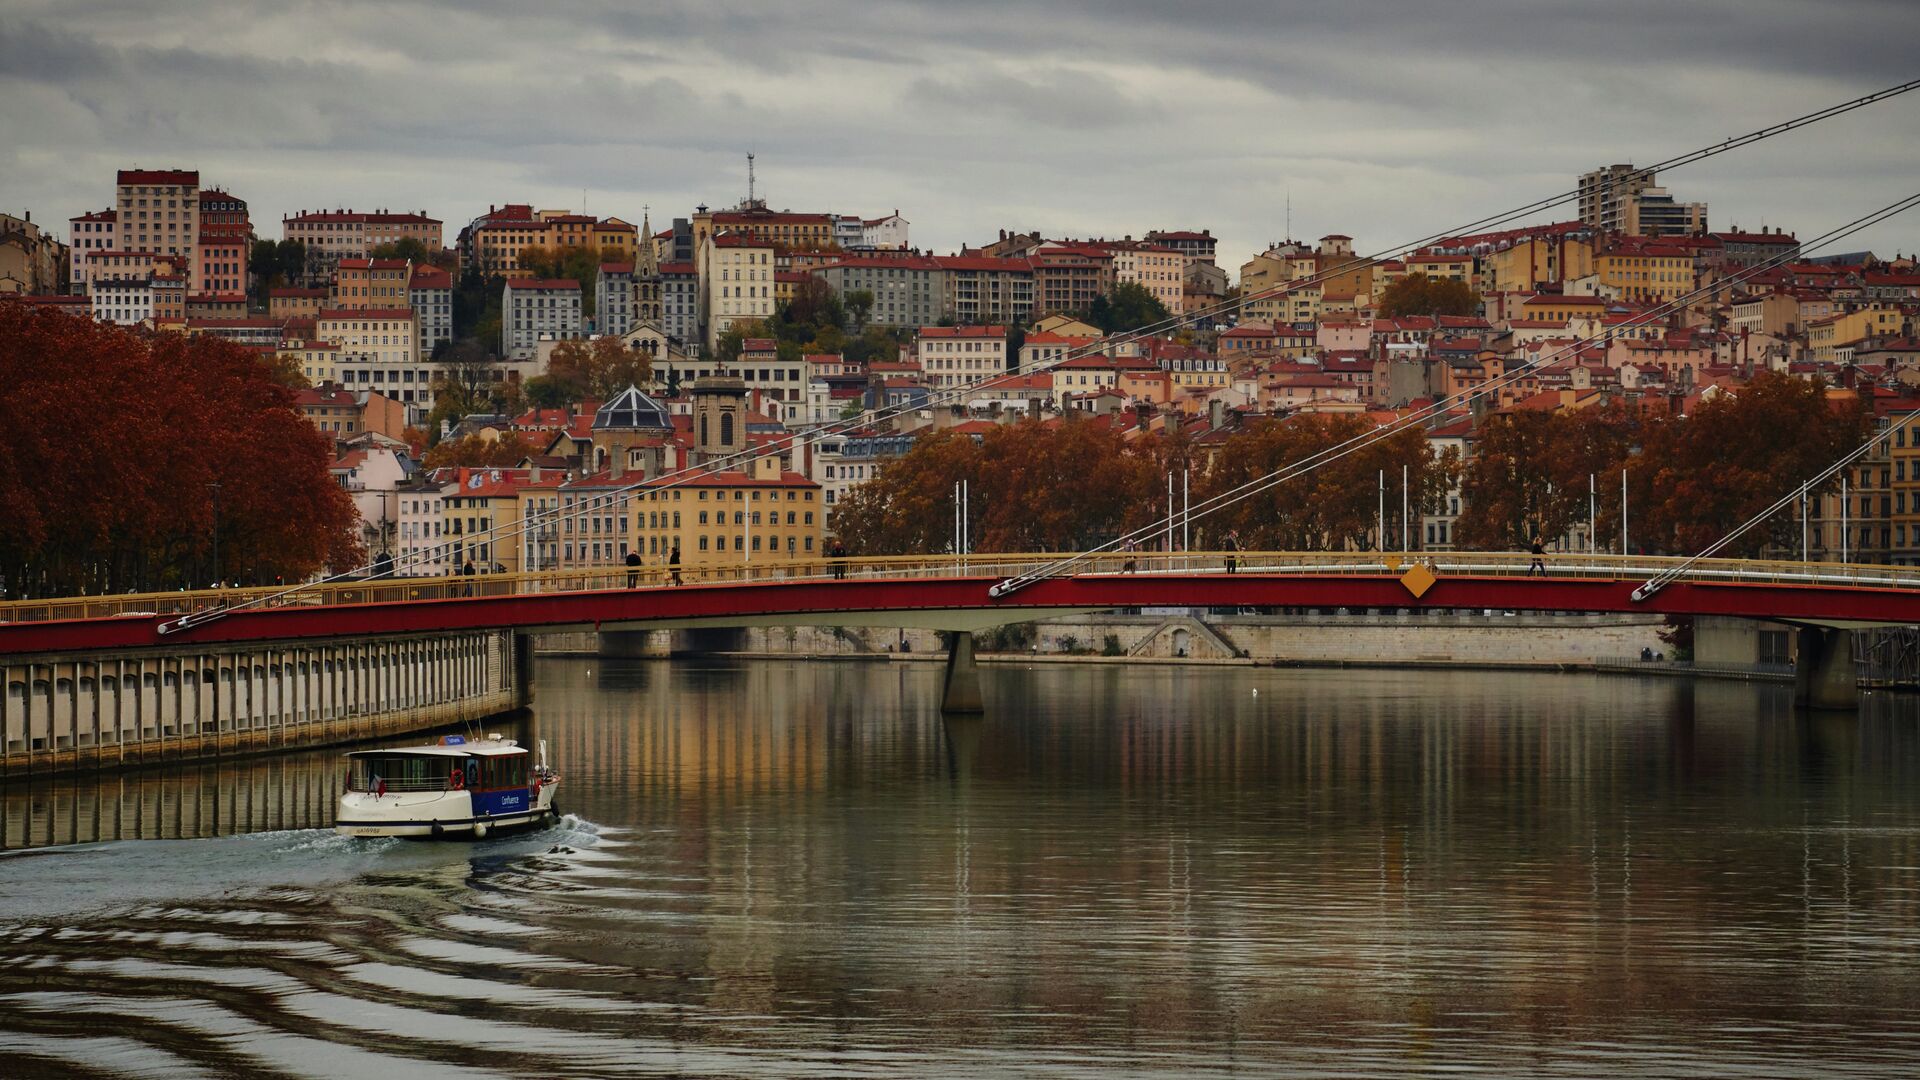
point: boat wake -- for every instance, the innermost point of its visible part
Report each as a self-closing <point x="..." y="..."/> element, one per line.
<point x="101" y="877"/>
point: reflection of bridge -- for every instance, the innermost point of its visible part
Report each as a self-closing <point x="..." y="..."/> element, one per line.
<point x="1824" y="600"/>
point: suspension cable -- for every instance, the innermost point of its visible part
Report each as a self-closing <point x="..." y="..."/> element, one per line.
<point x="1673" y="573"/>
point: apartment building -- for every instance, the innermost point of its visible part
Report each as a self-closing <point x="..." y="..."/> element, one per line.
<point x="430" y="294"/>
<point x="331" y="235"/>
<point x="94" y="232"/>
<point x="536" y="308"/>
<point x="378" y="351"/>
<point x="223" y="246"/>
<point x="367" y="284"/>
<point x="158" y="210"/>
<point x="960" y="355"/>
<point x="736" y="282"/>
<point x="907" y="290"/>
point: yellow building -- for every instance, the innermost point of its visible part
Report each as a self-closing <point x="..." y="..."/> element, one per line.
<point x="1535" y="261"/>
<point x="317" y="360"/>
<point x="1551" y="307"/>
<point x="493" y="243"/>
<point x="730" y="519"/>
<point x="1637" y="269"/>
<point x="360" y="284"/>
<point x="1829" y="338"/>
<point x="777" y="229"/>
<point x="481" y="514"/>
<point x="1332" y="270"/>
<point x="1439" y="267"/>
<point x="1161" y="271"/>
<point x="1904" y="449"/>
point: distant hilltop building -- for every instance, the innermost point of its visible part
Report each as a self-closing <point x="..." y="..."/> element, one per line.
<point x="1621" y="198"/>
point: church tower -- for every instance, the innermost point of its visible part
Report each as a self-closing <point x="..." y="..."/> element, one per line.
<point x="646" y="276"/>
<point x="719" y="416"/>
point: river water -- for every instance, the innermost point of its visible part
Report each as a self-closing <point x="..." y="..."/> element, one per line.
<point x="785" y="868"/>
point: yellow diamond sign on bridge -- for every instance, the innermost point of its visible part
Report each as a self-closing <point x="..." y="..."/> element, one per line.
<point x="1418" y="579"/>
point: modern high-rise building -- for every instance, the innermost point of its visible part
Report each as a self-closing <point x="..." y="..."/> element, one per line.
<point x="1621" y="198"/>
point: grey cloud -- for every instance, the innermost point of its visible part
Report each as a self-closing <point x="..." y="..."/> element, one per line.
<point x="1387" y="119"/>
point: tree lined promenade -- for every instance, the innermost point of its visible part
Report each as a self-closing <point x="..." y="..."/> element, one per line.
<point x="1076" y="481"/>
<point x="112" y="442"/>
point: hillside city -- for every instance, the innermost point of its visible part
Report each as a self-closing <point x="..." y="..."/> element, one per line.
<point x="537" y="365"/>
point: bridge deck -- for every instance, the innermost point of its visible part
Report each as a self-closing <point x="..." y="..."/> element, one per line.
<point x="951" y="593"/>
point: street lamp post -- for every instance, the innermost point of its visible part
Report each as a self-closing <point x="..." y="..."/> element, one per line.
<point x="214" y="487"/>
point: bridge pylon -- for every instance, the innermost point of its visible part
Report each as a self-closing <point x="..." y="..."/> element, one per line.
<point x="1823" y="674"/>
<point x="961" y="692"/>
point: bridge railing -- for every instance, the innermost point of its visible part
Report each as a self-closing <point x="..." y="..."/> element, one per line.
<point x="996" y="566"/>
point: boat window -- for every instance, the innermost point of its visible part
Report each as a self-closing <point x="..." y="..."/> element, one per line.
<point x="505" y="771"/>
<point x="400" y="772"/>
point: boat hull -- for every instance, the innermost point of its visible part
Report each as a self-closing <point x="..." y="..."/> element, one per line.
<point x="439" y="814"/>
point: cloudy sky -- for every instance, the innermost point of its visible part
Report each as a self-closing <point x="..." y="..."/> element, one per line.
<point x="1383" y="119"/>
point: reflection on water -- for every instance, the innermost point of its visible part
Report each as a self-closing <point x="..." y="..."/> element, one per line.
<point x="800" y="869"/>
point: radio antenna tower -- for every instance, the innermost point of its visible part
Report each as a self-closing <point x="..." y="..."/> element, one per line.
<point x="750" y="180"/>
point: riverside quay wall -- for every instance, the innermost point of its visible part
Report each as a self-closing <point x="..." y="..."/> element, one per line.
<point x="72" y="713"/>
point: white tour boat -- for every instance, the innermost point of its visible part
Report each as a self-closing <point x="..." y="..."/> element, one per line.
<point x="452" y="787"/>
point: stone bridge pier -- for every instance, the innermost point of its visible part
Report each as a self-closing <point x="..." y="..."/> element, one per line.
<point x="1824" y="676"/>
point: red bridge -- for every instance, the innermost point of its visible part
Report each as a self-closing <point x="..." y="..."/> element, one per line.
<point x="952" y="594"/>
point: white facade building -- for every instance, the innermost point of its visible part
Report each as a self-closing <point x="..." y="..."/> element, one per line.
<point x="417" y="543"/>
<point x="125" y="301"/>
<point x="430" y="291"/>
<point x="884" y="233"/>
<point x="736" y="282"/>
<point x="959" y="355"/>
<point x="90" y="233"/>
<point x="532" y="308"/>
<point x="379" y="350"/>
<point x="680" y="303"/>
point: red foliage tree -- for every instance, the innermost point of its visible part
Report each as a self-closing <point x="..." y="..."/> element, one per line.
<point x="1033" y="486"/>
<point x="1701" y="476"/>
<point x="476" y="452"/>
<point x="110" y="441"/>
<point x="1529" y="476"/>
<point x="1335" y="507"/>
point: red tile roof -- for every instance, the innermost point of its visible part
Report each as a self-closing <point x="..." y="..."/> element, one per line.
<point x="366" y="313"/>
<point x="188" y="177"/>
<point x="999" y="332"/>
<point x="532" y="284"/>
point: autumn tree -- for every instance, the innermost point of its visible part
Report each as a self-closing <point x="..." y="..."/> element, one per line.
<point x="579" y="264"/>
<point x="129" y="503"/>
<point x="1702" y="475"/>
<point x="1333" y="507"/>
<point x="859" y="305"/>
<point x="1032" y="486"/>
<point x="475" y="451"/>
<point x="1127" y="307"/>
<point x="1530" y="474"/>
<point x="598" y="368"/>
<point x="1418" y="294"/>
<point x="411" y="249"/>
